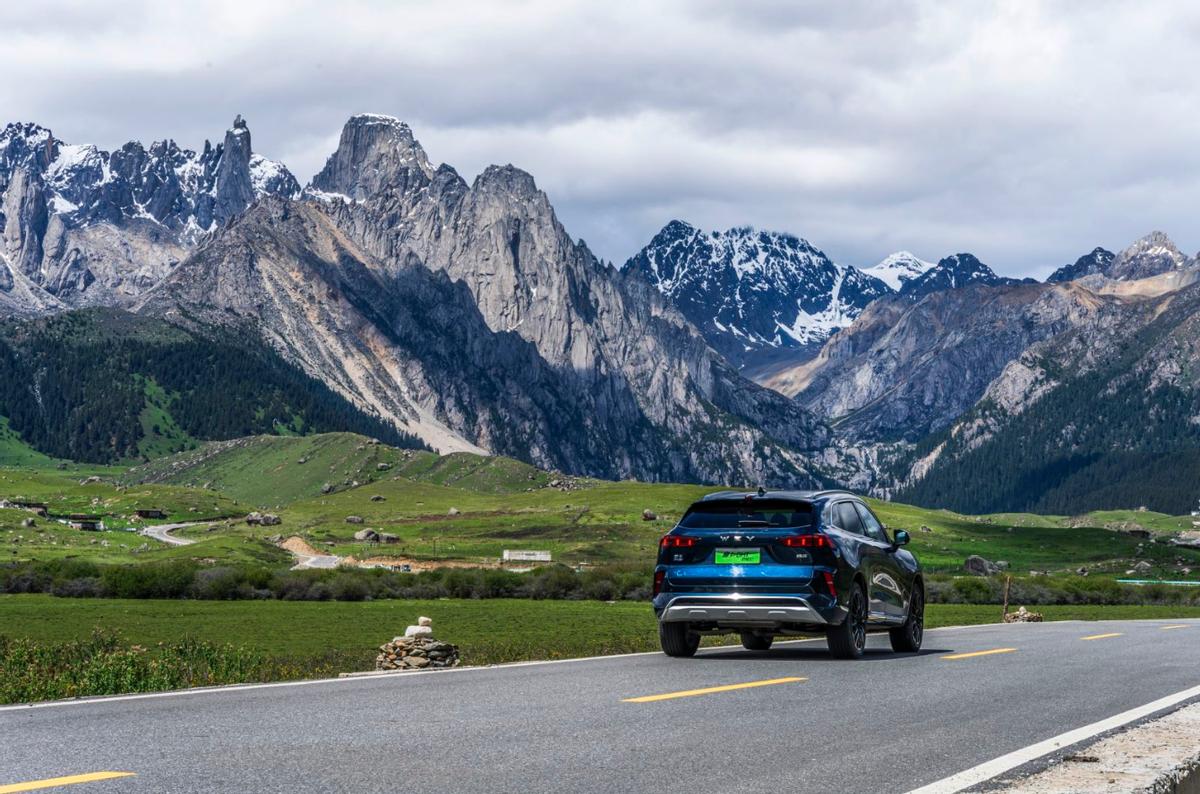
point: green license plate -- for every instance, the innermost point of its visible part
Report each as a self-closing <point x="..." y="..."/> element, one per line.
<point x="732" y="557"/>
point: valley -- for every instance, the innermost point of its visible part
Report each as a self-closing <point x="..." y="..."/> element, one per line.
<point x="393" y="297"/>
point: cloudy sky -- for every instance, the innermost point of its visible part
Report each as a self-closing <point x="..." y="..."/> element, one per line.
<point x="1024" y="132"/>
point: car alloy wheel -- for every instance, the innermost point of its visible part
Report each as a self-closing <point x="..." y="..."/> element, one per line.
<point x="858" y="619"/>
<point x="916" y="618"/>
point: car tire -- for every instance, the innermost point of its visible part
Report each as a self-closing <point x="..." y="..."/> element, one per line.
<point x="756" y="642"/>
<point x="907" y="638"/>
<point x="848" y="639"/>
<point x="677" y="639"/>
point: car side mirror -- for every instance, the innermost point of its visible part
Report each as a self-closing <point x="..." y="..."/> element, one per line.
<point x="900" y="538"/>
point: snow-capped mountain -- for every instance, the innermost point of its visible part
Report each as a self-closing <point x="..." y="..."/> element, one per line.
<point x="1152" y="255"/>
<point x="90" y="226"/>
<point x="898" y="269"/>
<point x="952" y="272"/>
<point x="754" y="293"/>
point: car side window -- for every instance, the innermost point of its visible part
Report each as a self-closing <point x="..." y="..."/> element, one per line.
<point x="871" y="526"/>
<point x="847" y="517"/>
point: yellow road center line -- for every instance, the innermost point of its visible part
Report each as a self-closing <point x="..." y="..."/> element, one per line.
<point x="69" y="780"/>
<point x="687" y="693"/>
<point x="1102" y="636"/>
<point x="973" y="654"/>
<point x="1180" y="626"/>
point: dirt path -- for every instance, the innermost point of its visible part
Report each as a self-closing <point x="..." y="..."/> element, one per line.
<point x="162" y="532"/>
<point x="307" y="556"/>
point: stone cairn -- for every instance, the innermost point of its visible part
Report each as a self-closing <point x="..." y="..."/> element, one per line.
<point x="416" y="650"/>
<point x="1023" y="615"/>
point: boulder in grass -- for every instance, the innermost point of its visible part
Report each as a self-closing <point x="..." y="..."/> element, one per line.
<point x="980" y="567"/>
<point x="377" y="498"/>
<point x="649" y="515"/>
<point x="354" y="519"/>
<point x="368" y="535"/>
<point x="453" y="511"/>
<point x="387" y="537"/>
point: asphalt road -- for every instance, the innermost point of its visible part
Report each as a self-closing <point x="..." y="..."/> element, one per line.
<point x="887" y="723"/>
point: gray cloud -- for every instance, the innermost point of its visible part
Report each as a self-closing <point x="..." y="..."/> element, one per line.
<point x="1025" y="132"/>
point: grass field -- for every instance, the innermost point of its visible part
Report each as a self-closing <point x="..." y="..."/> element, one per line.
<point x="470" y="508"/>
<point x="489" y="631"/>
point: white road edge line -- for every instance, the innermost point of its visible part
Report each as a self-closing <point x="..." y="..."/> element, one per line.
<point x="208" y="690"/>
<point x="997" y="766"/>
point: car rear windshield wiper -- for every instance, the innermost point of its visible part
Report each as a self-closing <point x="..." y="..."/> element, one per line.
<point x="753" y="522"/>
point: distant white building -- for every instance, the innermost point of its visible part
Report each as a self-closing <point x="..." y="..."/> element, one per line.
<point x="520" y="555"/>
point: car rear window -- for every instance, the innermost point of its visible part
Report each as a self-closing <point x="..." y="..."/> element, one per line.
<point x="774" y="513"/>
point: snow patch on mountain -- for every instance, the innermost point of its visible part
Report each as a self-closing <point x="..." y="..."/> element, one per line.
<point x="898" y="268"/>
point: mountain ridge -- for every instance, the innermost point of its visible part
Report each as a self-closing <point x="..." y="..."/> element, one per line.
<point x="613" y="381"/>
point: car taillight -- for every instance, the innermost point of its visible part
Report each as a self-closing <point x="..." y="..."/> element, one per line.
<point x="677" y="542"/>
<point x="829" y="583"/>
<point x="658" y="581"/>
<point x="808" y="542"/>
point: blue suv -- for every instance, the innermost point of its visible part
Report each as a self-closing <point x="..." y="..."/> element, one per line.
<point x="766" y="564"/>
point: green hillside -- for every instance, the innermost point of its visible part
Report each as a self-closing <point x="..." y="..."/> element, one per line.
<point x="467" y="509"/>
<point x="15" y="452"/>
<point x="105" y="386"/>
<point x="272" y="471"/>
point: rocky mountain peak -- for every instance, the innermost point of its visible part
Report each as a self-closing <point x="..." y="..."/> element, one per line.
<point x="1151" y="255"/>
<point x="952" y="272"/>
<point x="507" y="178"/>
<point x="1097" y="261"/>
<point x="375" y="153"/>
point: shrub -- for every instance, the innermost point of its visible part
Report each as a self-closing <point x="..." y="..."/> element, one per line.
<point x="973" y="591"/>
<point x="81" y="587"/>
<point x="349" y="588"/>
<point x="217" y="584"/>
<point x="154" y="580"/>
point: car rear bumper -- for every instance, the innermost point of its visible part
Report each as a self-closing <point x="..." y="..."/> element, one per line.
<point x="734" y="609"/>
